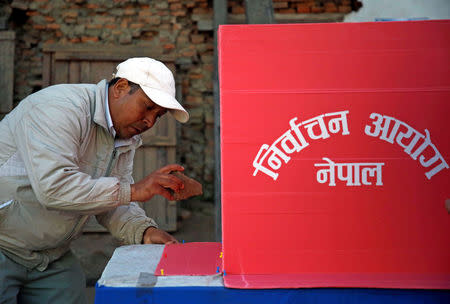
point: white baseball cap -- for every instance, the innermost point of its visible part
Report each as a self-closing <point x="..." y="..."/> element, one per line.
<point x="157" y="82"/>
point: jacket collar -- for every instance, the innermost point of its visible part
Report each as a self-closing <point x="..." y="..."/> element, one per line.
<point x="99" y="105"/>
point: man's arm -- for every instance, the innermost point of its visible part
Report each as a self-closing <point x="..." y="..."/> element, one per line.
<point x="48" y="139"/>
<point x="129" y="224"/>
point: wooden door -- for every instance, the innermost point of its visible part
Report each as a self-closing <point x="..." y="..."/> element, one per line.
<point x="7" y="39"/>
<point x="83" y="64"/>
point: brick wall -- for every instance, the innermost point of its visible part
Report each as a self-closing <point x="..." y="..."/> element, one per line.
<point x="182" y="28"/>
<point x="302" y="6"/>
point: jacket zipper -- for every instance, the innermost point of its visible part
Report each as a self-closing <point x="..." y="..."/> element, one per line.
<point x="111" y="162"/>
<point x="77" y="226"/>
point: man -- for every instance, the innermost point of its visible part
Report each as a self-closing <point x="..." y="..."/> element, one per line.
<point x="66" y="152"/>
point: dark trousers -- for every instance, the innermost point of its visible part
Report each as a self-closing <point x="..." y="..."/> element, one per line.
<point x="62" y="282"/>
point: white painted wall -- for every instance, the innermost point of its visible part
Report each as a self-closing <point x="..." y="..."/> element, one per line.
<point x="403" y="9"/>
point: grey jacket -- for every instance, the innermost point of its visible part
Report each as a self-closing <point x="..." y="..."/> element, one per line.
<point x="58" y="166"/>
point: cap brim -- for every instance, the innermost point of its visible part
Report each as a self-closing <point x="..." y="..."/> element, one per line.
<point x="166" y="101"/>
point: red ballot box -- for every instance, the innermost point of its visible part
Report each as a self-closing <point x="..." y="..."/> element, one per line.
<point x="335" y="154"/>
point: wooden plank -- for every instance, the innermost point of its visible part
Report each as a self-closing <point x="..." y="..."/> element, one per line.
<point x="150" y="159"/>
<point x="293" y="18"/>
<point x="85" y="72"/>
<point x="7" y="35"/>
<point x="138" y="165"/>
<point x="259" y="11"/>
<point x="220" y="17"/>
<point x="108" y="53"/>
<point x="171" y="210"/>
<point x="6" y="70"/>
<point x="159" y="141"/>
<point x="102" y="70"/>
<point x="74" y="72"/>
<point x="163" y="133"/>
<point x="113" y="57"/>
<point x="46" y="69"/>
<point x="61" y="72"/>
<point x="162" y="125"/>
<point x="155" y="208"/>
<point x="85" y="48"/>
<point x="138" y="168"/>
<point x="171" y="206"/>
<point x="169" y="154"/>
<point x="52" y="69"/>
<point x="172" y="129"/>
<point x="161" y="157"/>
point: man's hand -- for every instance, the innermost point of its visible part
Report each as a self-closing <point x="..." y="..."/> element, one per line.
<point x="157" y="183"/>
<point x="154" y="235"/>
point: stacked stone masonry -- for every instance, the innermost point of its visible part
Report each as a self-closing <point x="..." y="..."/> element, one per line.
<point x="302" y="6"/>
<point x="182" y="28"/>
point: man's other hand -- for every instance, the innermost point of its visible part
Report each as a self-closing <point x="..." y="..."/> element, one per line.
<point x="157" y="183"/>
<point x="154" y="235"/>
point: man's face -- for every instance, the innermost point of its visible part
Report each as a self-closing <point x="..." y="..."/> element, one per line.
<point x="133" y="113"/>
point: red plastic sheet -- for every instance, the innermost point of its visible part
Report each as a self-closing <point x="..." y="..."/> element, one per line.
<point x="190" y="259"/>
<point x="335" y="152"/>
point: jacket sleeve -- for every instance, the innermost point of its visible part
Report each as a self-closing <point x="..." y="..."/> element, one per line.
<point x="127" y="223"/>
<point x="48" y="140"/>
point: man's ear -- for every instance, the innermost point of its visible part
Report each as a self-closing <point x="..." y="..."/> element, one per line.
<point x="120" y="88"/>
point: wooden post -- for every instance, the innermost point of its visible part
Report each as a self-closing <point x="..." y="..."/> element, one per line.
<point x="259" y="11"/>
<point x="6" y="71"/>
<point x="220" y="17"/>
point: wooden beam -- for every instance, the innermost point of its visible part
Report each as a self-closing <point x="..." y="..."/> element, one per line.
<point x="220" y="17"/>
<point x="7" y="42"/>
<point x="259" y="11"/>
<point x="293" y="18"/>
<point x="105" y="53"/>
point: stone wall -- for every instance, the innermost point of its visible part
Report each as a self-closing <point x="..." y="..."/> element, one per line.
<point x="183" y="28"/>
<point x="302" y="6"/>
